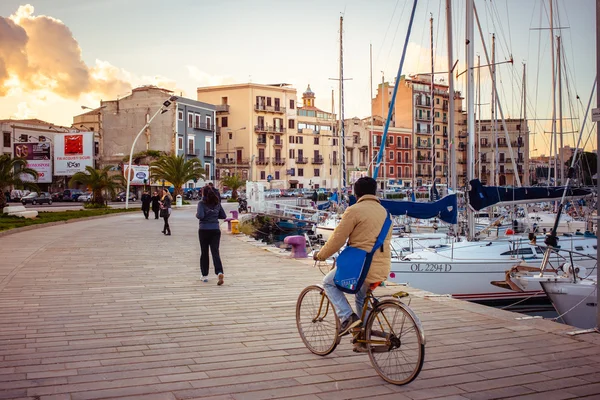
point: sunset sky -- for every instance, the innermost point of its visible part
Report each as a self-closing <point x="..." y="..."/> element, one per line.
<point x="56" y="55"/>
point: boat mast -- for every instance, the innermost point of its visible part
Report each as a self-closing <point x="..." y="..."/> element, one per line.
<point x="561" y="152"/>
<point x="452" y="170"/>
<point x="479" y="153"/>
<point x="342" y="127"/>
<point x="598" y="164"/>
<point x="382" y="138"/>
<point x="494" y="124"/>
<point x="371" y="87"/>
<point x="553" y="94"/>
<point x="432" y="110"/>
<point x="470" y="53"/>
<point x="524" y="125"/>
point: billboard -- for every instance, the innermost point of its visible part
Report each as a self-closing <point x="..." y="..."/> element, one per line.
<point x="137" y="174"/>
<point x="73" y="152"/>
<point x="38" y="158"/>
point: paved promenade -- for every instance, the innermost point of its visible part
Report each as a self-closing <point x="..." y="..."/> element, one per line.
<point x="110" y="308"/>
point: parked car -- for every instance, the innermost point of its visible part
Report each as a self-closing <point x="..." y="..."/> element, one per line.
<point x="35" y="198"/>
<point x="121" y="197"/>
<point x="16" y="195"/>
<point x="291" y="193"/>
<point x="86" y="197"/>
<point x="71" y="194"/>
<point x="227" y="194"/>
<point x="57" y="196"/>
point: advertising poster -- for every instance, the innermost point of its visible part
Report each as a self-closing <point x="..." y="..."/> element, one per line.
<point x="38" y="158"/>
<point x="73" y="152"/>
<point x="137" y="174"/>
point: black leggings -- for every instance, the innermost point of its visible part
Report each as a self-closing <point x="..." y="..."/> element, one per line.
<point x="210" y="239"/>
<point x="167" y="228"/>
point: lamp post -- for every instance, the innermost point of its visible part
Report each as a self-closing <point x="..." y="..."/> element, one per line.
<point x="163" y="108"/>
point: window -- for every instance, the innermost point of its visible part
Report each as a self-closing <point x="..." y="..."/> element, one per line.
<point x="300" y="171"/>
<point x="317" y="172"/>
<point x="316" y="140"/>
<point x="191" y="149"/>
<point x="391" y="140"/>
<point x="218" y="139"/>
<point x="406" y="157"/>
<point x="207" y="171"/>
<point x="190" y="119"/>
<point x="399" y="156"/>
<point x="292" y="105"/>
<point x="437" y="101"/>
<point x="391" y="170"/>
<point x="197" y="120"/>
<point x="406" y="142"/>
<point x="208" y="146"/>
<point x="209" y="122"/>
<point x="399" y="141"/>
<point x="291" y="124"/>
<point x="230" y="135"/>
<point x="437" y="114"/>
<point x="391" y="155"/>
<point x="437" y="141"/>
<point x="335" y="142"/>
<point x="6" y="139"/>
<point x="277" y="175"/>
<point x="292" y="153"/>
<point x="268" y="102"/>
<point x="437" y="154"/>
<point x="519" y="252"/>
<point x="180" y="115"/>
<point x="406" y="172"/>
<point x="224" y="122"/>
<point x="437" y="128"/>
<point x="299" y="140"/>
<point x="263" y="175"/>
<point x="291" y="139"/>
<point x="180" y="143"/>
<point x="579" y="248"/>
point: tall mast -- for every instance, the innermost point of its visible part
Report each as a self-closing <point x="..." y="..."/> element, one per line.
<point x="496" y="157"/>
<point x="432" y="108"/>
<point x="479" y="154"/>
<point x="470" y="53"/>
<point x="371" y="89"/>
<point x="553" y="92"/>
<point x="342" y="127"/>
<point x="382" y="147"/>
<point x="598" y="164"/>
<point x="333" y="123"/>
<point x="451" y="144"/>
<point x="560" y="116"/>
<point x="525" y="126"/>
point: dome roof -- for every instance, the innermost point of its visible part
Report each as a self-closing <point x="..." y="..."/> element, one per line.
<point x="308" y="92"/>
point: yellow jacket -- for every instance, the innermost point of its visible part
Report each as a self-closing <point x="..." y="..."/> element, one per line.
<point x="360" y="225"/>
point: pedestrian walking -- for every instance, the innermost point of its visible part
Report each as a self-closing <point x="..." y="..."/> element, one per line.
<point x="209" y="212"/>
<point x="212" y="186"/>
<point x="155" y="204"/>
<point x="165" y="210"/>
<point x="146" y="200"/>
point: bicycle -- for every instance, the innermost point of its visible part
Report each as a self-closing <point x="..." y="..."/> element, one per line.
<point x="393" y="335"/>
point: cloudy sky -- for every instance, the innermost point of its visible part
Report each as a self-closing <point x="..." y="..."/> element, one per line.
<point x="57" y="55"/>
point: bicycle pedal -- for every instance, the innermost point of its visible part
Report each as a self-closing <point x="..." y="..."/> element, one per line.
<point x="400" y="295"/>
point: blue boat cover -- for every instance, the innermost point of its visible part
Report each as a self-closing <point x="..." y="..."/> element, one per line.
<point x="445" y="209"/>
<point x="481" y="196"/>
<point x="324" y="206"/>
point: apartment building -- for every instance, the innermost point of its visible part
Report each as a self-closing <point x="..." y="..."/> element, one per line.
<point x="253" y="122"/>
<point x="495" y="165"/>
<point x="357" y="144"/>
<point x="186" y="128"/>
<point x="396" y="169"/>
<point x="426" y="116"/>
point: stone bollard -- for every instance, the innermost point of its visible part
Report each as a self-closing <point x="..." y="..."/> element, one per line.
<point x="298" y="244"/>
<point x="234" y="214"/>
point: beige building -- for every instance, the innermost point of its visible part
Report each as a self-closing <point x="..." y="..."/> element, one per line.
<point x="495" y="165"/>
<point x="253" y="123"/>
<point x="427" y="118"/>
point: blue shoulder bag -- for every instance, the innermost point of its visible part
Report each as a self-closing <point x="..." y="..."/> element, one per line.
<point x="353" y="263"/>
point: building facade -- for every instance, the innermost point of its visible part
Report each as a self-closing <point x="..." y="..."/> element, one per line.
<point x="186" y="128"/>
<point x="254" y="123"/>
<point x="396" y="170"/>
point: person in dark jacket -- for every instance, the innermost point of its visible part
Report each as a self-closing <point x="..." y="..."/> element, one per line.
<point x="315" y="197"/>
<point x="165" y="207"/>
<point x="209" y="212"/>
<point x="155" y="204"/>
<point x="146" y="200"/>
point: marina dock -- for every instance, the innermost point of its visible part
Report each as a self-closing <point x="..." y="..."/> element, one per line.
<point x="110" y="308"/>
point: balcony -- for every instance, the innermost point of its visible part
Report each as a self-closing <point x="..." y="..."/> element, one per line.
<point x="419" y="103"/>
<point x="485" y="145"/>
<point x="335" y="161"/>
<point x="269" y="129"/>
<point x="278" y="143"/>
<point x="406" y="161"/>
<point x="278" y="161"/>
<point x="423" y="145"/>
<point x="192" y="152"/>
<point x="302" y="160"/>
<point x="261" y="141"/>
<point x="271" y="109"/>
<point x="222" y="108"/>
<point x="204" y="126"/>
<point x="209" y="153"/>
<point x="233" y="161"/>
<point x="422" y="117"/>
<point x="262" y="161"/>
<point x="423" y="131"/>
<point x="423" y="159"/>
<point x="502" y="144"/>
<point x="317" y="160"/>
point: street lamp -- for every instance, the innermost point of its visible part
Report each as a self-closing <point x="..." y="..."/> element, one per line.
<point x="163" y="109"/>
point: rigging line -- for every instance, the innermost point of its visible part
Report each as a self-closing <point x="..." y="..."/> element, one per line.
<point x="386" y="31"/>
<point x="421" y="43"/>
<point x="394" y="39"/>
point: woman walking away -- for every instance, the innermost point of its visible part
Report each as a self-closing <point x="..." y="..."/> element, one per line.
<point x="155" y="204"/>
<point x="165" y="210"/>
<point x="209" y="212"/>
<point x="146" y="199"/>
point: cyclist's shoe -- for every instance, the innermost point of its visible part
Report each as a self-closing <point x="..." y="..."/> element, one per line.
<point x="351" y="322"/>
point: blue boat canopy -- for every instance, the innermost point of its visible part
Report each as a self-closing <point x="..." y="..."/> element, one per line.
<point x="481" y="196"/>
<point x="445" y="209"/>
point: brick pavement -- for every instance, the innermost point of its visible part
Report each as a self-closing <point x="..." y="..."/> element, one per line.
<point x="110" y="308"/>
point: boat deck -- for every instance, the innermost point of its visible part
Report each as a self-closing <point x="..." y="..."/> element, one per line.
<point x="111" y="308"/>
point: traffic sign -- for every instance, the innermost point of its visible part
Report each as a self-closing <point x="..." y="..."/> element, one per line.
<point x="269" y="178"/>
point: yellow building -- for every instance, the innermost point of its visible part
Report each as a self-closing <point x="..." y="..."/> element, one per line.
<point x="254" y="123"/>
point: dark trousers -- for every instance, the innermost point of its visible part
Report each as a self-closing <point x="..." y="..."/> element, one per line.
<point x="156" y="213"/>
<point x="146" y="213"/>
<point x="210" y="238"/>
<point x="167" y="228"/>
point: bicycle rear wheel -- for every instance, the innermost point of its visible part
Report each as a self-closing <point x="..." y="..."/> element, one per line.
<point x="317" y="321"/>
<point x="395" y="343"/>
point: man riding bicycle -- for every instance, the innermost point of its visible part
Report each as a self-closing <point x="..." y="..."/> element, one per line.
<point x="360" y="225"/>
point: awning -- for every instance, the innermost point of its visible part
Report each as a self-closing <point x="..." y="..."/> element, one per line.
<point x="293" y="181"/>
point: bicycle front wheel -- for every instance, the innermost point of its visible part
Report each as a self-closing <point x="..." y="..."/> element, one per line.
<point x="317" y="321"/>
<point x="395" y="343"/>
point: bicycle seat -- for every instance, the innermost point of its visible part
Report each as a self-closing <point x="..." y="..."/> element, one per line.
<point x="374" y="285"/>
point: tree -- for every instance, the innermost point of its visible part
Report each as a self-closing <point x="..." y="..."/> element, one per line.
<point x="176" y="170"/>
<point x="585" y="166"/>
<point x="99" y="181"/>
<point x="14" y="172"/>
<point x="233" y="182"/>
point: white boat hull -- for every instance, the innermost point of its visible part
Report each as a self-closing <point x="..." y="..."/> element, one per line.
<point x="575" y="302"/>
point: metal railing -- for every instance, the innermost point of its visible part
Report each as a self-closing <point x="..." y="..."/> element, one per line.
<point x="317" y="160"/>
<point x="273" y="109"/>
<point x="301" y="160"/>
<point x="262" y="161"/>
<point x="204" y="126"/>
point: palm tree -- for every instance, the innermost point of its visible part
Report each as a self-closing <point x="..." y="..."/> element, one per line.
<point x="14" y="172"/>
<point x="176" y="170"/>
<point x="99" y="181"/>
<point x="233" y="182"/>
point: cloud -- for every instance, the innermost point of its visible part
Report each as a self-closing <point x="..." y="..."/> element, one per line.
<point x="24" y="112"/>
<point x="41" y="54"/>
<point x="205" y="79"/>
